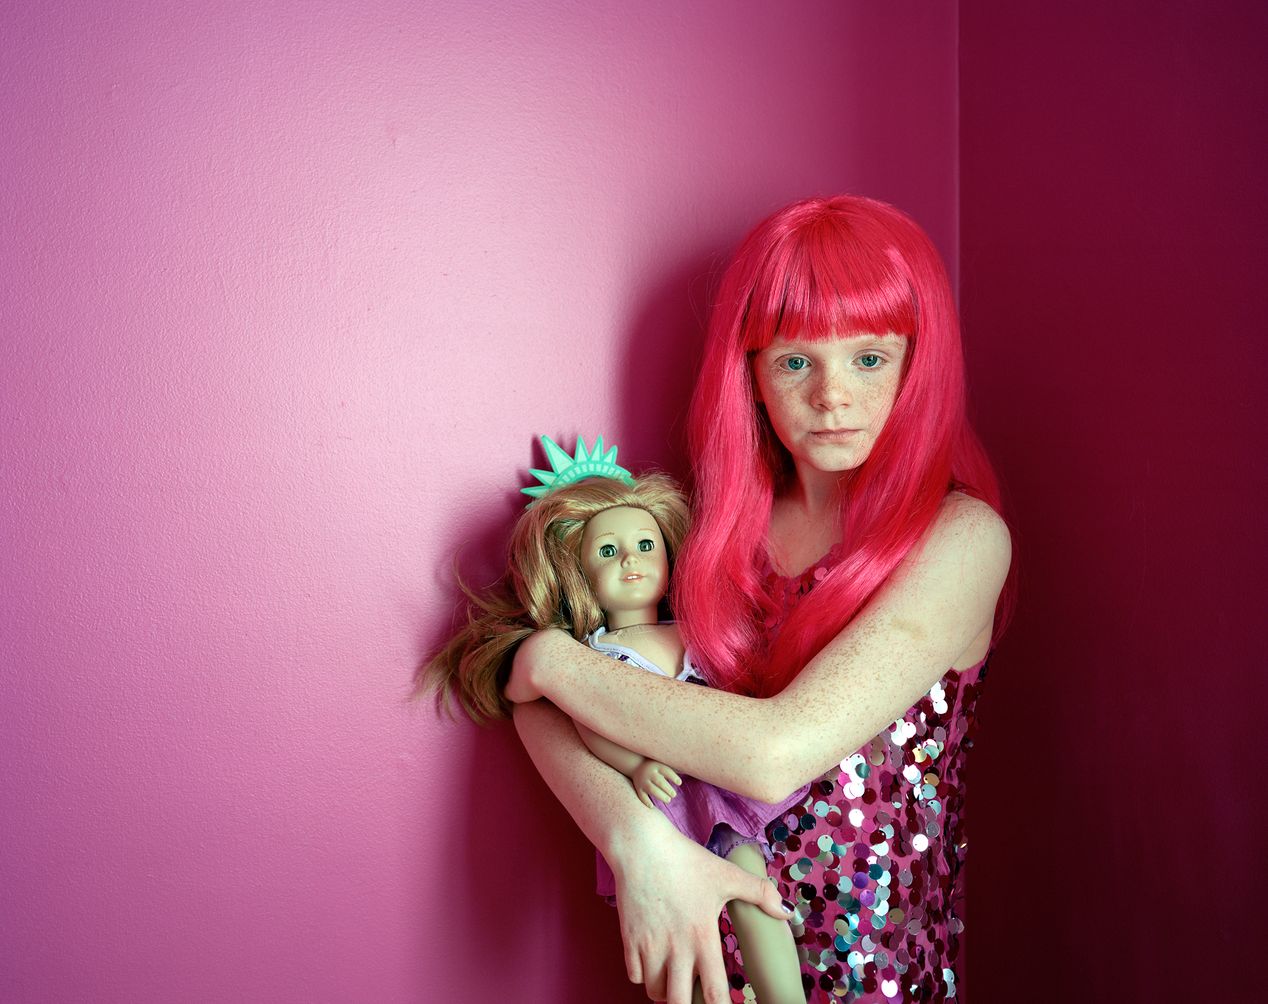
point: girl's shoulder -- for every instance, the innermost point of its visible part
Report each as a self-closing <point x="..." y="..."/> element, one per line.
<point x="974" y="523"/>
<point x="967" y="547"/>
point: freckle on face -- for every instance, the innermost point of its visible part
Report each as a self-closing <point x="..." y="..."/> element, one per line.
<point x="830" y="410"/>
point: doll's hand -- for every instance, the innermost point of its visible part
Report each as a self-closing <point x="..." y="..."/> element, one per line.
<point x="522" y="686"/>
<point x="669" y="892"/>
<point x="652" y="779"/>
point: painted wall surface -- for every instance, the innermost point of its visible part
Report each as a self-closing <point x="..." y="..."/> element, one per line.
<point x="288" y="290"/>
<point x="1114" y="215"/>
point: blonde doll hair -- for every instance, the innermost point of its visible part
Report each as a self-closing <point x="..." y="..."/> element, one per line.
<point x="545" y="586"/>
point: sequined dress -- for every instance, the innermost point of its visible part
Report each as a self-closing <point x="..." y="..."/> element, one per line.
<point x="871" y="859"/>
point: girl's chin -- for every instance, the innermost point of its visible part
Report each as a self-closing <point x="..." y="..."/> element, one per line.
<point x="830" y="460"/>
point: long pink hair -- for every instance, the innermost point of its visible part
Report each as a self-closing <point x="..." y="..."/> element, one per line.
<point x="817" y="268"/>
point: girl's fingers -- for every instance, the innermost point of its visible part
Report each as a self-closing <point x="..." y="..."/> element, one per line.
<point x="633" y="963"/>
<point x="713" y="984"/>
<point x="681" y="972"/>
<point x="654" y="979"/>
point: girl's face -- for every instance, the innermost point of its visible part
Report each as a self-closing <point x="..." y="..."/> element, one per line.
<point x="623" y="556"/>
<point x="828" y="399"/>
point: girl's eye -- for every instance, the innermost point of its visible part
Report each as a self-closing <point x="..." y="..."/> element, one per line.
<point x="646" y="545"/>
<point x="795" y="364"/>
<point x="870" y="360"/>
<point x="607" y="551"/>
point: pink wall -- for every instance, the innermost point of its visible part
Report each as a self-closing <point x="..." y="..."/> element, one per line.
<point x="288" y="290"/>
<point x="1113" y="160"/>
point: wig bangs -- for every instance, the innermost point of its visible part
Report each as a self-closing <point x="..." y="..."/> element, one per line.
<point x="821" y="282"/>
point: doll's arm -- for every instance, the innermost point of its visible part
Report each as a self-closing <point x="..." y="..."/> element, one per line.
<point x="936" y="605"/>
<point x="669" y="889"/>
<point x="651" y="779"/>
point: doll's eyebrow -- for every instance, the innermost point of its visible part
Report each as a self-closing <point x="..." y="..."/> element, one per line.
<point x="612" y="533"/>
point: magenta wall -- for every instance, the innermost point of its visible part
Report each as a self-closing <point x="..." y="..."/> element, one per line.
<point x="1113" y="161"/>
<point x="288" y="290"/>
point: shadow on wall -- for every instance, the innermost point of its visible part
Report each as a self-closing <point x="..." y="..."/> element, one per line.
<point x="663" y="347"/>
<point x="520" y="876"/>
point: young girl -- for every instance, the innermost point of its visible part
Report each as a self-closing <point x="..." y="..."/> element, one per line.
<point x="840" y="587"/>
<point x="592" y="557"/>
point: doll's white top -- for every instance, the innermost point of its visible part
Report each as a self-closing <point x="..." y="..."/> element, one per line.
<point x="688" y="673"/>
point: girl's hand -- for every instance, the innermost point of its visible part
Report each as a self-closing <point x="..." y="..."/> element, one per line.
<point x="522" y="686"/>
<point x="652" y="779"/>
<point x="669" y="895"/>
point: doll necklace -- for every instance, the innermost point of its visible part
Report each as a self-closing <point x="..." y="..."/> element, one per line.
<point x="632" y="629"/>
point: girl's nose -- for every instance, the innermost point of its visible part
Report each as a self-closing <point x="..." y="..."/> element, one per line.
<point x="832" y="389"/>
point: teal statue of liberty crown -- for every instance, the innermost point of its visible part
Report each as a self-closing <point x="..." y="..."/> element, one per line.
<point x="585" y="463"/>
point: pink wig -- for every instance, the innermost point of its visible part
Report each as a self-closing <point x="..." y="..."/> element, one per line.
<point x="821" y="267"/>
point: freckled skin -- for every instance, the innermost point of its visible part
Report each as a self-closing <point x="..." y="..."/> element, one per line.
<point x="835" y="383"/>
<point x="809" y="390"/>
<point x="936" y="611"/>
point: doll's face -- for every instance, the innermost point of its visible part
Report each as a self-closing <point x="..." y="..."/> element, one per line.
<point x="828" y="399"/>
<point x="623" y="556"/>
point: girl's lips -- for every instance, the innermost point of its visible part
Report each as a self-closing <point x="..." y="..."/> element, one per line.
<point x="835" y="435"/>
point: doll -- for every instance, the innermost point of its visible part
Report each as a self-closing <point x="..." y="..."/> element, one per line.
<point x="592" y="556"/>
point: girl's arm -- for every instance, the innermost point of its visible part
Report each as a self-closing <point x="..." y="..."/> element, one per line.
<point x="670" y="890"/>
<point x="935" y="606"/>
<point x="651" y="779"/>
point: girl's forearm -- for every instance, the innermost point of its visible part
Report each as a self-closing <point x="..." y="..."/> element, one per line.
<point x="601" y="801"/>
<point x="728" y="740"/>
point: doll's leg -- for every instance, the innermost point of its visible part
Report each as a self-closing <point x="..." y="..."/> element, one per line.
<point x="770" y="954"/>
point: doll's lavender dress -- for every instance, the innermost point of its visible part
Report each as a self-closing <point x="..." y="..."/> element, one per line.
<point x="713" y="817"/>
<point x="871" y="858"/>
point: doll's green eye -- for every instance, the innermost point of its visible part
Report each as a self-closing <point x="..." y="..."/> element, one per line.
<point x="646" y="544"/>
<point x="607" y="551"/>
